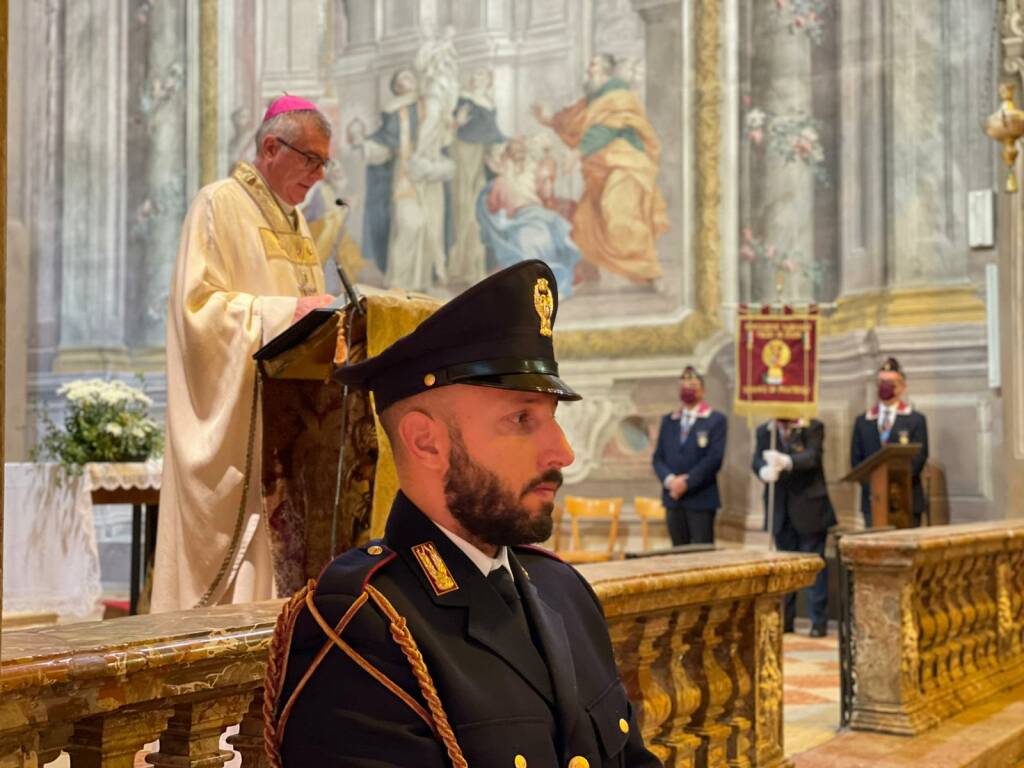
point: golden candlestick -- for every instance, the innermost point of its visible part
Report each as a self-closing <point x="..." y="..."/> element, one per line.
<point x="1006" y="125"/>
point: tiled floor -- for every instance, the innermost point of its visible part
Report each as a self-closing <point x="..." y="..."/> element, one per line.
<point x="810" y="676"/>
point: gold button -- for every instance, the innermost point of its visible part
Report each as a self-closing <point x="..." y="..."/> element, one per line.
<point x="374" y="550"/>
<point x="520" y="761"/>
<point x="429" y="379"/>
<point x="623" y="725"/>
<point x="579" y="762"/>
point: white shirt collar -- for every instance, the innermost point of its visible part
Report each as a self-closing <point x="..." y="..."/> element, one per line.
<point x="481" y="560"/>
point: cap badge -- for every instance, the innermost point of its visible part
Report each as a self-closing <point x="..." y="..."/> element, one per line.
<point x="434" y="568"/>
<point x="544" y="303"/>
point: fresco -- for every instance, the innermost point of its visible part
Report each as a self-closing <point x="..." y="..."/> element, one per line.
<point x="459" y="164"/>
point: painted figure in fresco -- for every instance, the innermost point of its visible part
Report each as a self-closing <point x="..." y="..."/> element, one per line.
<point x="622" y="212"/>
<point x="691" y="446"/>
<point x="516" y="226"/>
<point x="803" y="512"/>
<point x="247" y="268"/>
<point x="328" y="224"/>
<point x="477" y="136"/>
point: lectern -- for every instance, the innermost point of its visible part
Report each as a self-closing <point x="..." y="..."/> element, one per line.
<point x="889" y="476"/>
<point x="303" y="414"/>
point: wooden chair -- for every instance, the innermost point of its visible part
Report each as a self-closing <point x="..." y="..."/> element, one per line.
<point x="648" y="509"/>
<point x="606" y="509"/>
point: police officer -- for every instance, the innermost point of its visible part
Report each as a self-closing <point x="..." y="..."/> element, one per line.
<point x="891" y="420"/>
<point x="691" y="444"/>
<point x="803" y="512"/>
<point x="452" y="641"/>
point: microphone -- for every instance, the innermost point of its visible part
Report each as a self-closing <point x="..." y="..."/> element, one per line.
<point x="340" y="202"/>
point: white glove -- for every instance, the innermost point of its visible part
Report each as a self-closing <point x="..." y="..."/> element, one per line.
<point x="782" y="462"/>
<point x="768" y="474"/>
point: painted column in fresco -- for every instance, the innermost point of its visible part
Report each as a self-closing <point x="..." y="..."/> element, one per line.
<point x="786" y="158"/>
<point x="92" y="328"/>
<point x="156" y="204"/>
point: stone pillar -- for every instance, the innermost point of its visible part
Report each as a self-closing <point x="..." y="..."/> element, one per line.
<point x="157" y="169"/>
<point x="861" y="172"/>
<point x="92" y="330"/>
<point x="192" y="738"/>
<point x="781" y="191"/>
<point x="925" y="197"/>
<point x="111" y="741"/>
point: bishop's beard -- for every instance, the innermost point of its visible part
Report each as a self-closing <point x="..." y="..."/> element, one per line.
<point x="488" y="511"/>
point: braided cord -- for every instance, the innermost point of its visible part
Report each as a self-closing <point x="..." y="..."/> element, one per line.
<point x="403" y="637"/>
<point x="277" y="666"/>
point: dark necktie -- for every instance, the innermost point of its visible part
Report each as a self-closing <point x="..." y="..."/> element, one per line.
<point x="503" y="583"/>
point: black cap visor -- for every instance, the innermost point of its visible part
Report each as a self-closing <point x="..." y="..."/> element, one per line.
<point x="525" y="382"/>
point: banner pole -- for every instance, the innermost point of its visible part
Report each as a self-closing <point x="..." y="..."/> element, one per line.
<point x="771" y="491"/>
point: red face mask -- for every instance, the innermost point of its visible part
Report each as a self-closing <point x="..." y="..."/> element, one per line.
<point x="886" y="390"/>
<point x="688" y="395"/>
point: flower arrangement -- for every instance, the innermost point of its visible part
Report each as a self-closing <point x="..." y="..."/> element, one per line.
<point x="106" y="421"/>
<point x="795" y="137"/>
<point x="754" y="249"/>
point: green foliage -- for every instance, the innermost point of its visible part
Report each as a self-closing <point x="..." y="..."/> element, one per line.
<point x="106" y="421"/>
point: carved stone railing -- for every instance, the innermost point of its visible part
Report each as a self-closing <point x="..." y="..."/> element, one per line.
<point x="698" y="641"/>
<point x="938" y="621"/>
<point x="697" y="638"/>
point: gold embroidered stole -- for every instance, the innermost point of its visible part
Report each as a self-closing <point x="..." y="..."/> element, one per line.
<point x="281" y="239"/>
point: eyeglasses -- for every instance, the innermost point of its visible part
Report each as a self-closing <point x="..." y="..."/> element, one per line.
<point x="313" y="161"/>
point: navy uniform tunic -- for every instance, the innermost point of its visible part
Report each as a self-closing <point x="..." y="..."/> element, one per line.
<point x="909" y="426"/>
<point x="538" y="697"/>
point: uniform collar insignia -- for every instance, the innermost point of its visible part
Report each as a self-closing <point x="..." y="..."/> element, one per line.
<point x="434" y="568"/>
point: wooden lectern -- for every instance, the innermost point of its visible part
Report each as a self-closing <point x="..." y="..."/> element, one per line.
<point x="889" y="476"/>
<point x="301" y="409"/>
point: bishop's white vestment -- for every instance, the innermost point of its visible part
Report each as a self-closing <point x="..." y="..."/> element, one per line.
<point x="244" y="259"/>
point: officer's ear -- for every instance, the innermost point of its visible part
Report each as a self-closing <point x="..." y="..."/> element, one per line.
<point x="424" y="439"/>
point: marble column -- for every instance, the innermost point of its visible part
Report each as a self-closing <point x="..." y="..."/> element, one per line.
<point x="861" y="141"/>
<point x="925" y="198"/>
<point x="156" y="183"/>
<point x="664" y="41"/>
<point x="92" y="329"/>
<point x="781" y="190"/>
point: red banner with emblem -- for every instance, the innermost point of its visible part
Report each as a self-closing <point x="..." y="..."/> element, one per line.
<point x="777" y="362"/>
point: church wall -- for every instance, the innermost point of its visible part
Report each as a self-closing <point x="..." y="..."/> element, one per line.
<point x="875" y="214"/>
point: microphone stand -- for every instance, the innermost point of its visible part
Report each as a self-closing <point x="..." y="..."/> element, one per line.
<point x="355" y="301"/>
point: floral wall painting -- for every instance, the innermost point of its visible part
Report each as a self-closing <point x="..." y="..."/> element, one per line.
<point x="458" y="161"/>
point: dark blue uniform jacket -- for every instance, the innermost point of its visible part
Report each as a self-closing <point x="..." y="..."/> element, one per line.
<point x="699" y="456"/>
<point x="549" y="698"/>
<point x="909" y="426"/>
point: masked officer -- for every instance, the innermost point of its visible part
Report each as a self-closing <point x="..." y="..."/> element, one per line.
<point x="452" y="641"/>
<point x="891" y="420"/>
<point x="691" y="444"/>
<point x="803" y="512"/>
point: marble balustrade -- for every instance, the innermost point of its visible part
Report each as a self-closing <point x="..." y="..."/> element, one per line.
<point x="948" y="603"/>
<point x="697" y="638"/>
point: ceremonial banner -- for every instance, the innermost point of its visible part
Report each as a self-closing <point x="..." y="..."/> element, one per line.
<point x="777" y="362"/>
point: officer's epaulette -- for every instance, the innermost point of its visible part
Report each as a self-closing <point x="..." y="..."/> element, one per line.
<point x="348" y="574"/>
<point x="351" y="571"/>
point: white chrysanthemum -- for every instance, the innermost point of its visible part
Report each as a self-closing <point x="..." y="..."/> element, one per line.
<point x="113" y="429"/>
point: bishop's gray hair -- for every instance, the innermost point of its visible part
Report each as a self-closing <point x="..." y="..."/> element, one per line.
<point x="287" y="126"/>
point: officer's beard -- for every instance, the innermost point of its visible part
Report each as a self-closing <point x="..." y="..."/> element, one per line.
<point x="488" y="511"/>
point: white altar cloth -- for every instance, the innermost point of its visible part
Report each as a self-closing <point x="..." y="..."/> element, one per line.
<point x="51" y="562"/>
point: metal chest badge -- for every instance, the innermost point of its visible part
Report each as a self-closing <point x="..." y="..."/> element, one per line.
<point x="904" y="437"/>
<point x="544" y="303"/>
<point x="702" y="439"/>
<point x="434" y="568"/>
